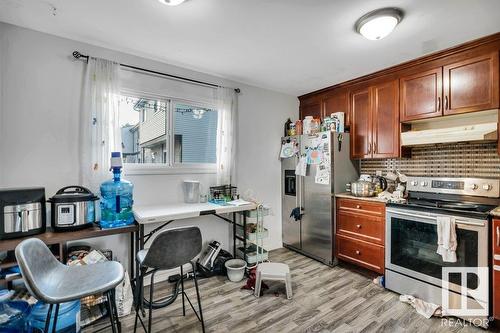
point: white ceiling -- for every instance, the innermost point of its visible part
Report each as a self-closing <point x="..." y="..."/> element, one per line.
<point x="293" y="46"/>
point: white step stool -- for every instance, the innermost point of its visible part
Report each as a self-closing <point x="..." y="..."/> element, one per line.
<point x="275" y="272"/>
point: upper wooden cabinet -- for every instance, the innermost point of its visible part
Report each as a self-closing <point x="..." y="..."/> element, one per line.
<point x="375" y="121"/>
<point x="471" y="85"/>
<point x="421" y="95"/>
<point x="337" y="101"/>
<point x="312" y="109"/>
<point x="465" y="86"/>
<point x="385" y="120"/>
<point x="361" y="124"/>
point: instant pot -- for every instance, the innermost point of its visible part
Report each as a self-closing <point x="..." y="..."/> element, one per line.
<point x="73" y="208"/>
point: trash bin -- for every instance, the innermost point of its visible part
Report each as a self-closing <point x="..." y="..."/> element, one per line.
<point x="191" y="191"/>
<point x="235" y="269"/>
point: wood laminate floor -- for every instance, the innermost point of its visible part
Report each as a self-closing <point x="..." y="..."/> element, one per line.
<point x="339" y="299"/>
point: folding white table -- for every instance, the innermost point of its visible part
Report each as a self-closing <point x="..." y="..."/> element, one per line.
<point x="166" y="214"/>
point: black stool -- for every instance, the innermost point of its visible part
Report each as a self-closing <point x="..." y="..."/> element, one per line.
<point x="170" y="249"/>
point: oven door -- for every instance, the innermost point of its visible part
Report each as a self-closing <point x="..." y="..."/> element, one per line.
<point x="411" y="244"/>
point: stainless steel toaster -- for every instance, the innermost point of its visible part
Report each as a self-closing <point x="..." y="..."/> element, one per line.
<point x="22" y="212"/>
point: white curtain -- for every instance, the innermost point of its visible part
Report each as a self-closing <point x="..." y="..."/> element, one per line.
<point x="226" y="136"/>
<point x="100" y="132"/>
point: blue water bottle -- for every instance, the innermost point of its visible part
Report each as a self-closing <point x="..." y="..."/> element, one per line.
<point x="116" y="197"/>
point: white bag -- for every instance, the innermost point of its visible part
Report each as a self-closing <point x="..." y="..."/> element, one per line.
<point x="124" y="297"/>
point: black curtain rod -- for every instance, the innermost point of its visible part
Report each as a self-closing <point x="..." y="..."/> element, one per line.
<point x="78" y="55"/>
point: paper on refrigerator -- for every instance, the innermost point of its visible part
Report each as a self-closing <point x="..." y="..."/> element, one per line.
<point x="301" y="168"/>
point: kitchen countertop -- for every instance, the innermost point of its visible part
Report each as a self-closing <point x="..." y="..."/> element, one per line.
<point x="350" y="196"/>
<point x="495" y="212"/>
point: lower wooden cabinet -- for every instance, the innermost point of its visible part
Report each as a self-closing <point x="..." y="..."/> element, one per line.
<point x="360" y="233"/>
<point x="362" y="253"/>
<point x="496" y="267"/>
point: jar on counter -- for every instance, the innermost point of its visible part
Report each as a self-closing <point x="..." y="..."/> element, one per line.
<point x="292" y="130"/>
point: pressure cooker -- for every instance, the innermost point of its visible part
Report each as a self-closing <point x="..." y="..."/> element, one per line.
<point x="73" y="208"/>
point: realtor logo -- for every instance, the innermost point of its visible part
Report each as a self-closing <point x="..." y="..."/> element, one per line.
<point x="470" y="302"/>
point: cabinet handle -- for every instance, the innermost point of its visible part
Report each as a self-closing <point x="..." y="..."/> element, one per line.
<point x="358" y="226"/>
<point x="370" y="147"/>
<point x="359" y="207"/>
<point x="358" y="252"/>
<point x="446" y="102"/>
<point x="439" y="103"/>
<point x="498" y="236"/>
<point x="374" y="147"/>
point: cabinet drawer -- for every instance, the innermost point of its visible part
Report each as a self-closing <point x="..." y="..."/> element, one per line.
<point x="361" y="206"/>
<point x="365" y="227"/>
<point x="364" y="254"/>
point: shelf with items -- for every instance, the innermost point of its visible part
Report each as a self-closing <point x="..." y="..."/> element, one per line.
<point x="251" y="232"/>
<point x="251" y="235"/>
<point x="251" y="256"/>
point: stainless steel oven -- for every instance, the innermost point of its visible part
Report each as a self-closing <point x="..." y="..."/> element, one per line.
<point x="414" y="268"/>
<point x="411" y="243"/>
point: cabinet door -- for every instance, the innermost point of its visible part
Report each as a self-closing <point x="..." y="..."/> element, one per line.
<point x="471" y="85"/>
<point x="313" y="110"/>
<point x="385" y="120"/>
<point x="338" y="101"/>
<point x="420" y="95"/>
<point x="361" y="137"/>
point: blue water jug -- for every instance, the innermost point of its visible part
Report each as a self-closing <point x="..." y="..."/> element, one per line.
<point x="116" y="198"/>
<point x="13" y="315"/>
<point x="68" y="318"/>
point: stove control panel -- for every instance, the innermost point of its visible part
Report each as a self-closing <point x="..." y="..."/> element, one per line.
<point x="483" y="187"/>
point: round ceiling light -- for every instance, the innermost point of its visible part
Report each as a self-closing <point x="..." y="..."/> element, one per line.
<point x="171" y="2"/>
<point x="379" y="23"/>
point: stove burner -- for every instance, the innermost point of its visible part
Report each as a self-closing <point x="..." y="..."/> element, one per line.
<point x="459" y="205"/>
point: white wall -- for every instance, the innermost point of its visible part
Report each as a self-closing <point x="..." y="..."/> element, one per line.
<point x="41" y="85"/>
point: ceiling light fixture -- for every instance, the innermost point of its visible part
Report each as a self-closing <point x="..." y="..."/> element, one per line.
<point x="379" y="23"/>
<point x="171" y="2"/>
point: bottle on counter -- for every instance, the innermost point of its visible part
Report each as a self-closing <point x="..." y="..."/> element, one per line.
<point x="307" y="124"/>
<point x="116" y="197"/>
<point x="287" y="127"/>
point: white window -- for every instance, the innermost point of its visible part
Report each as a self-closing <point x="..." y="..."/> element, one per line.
<point x="162" y="134"/>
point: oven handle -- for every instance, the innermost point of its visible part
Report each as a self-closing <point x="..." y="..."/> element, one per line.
<point x="430" y="217"/>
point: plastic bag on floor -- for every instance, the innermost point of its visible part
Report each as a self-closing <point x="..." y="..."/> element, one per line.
<point x="124" y="297"/>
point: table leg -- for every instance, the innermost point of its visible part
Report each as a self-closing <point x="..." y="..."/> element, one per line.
<point x="244" y="232"/>
<point x="234" y="235"/>
<point x="132" y="255"/>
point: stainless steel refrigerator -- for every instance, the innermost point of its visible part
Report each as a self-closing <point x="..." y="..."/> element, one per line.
<point x="328" y="169"/>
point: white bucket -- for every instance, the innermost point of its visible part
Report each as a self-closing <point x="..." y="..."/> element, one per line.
<point x="191" y="191"/>
<point x="235" y="269"/>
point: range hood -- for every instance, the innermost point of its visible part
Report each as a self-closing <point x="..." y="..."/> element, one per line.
<point x="464" y="133"/>
<point x="465" y="127"/>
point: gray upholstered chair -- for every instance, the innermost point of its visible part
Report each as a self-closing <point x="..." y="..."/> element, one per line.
<point x="171" y="249"/>
<point x="51" y="282"/>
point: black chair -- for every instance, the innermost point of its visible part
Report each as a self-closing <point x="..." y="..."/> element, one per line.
<point x="170" y="249"/>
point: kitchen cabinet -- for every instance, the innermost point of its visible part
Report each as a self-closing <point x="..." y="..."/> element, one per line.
<point x="360" y="233"/>
<point x="420" y="95"/>
<point x="360" y="124"/>
<point x="337" y="101"/>
<point x="471" y="85"/>
<point x="496" y="267"/>
<point x="385" y="120"/>
<point x="468" y="85"/>
<point x="310" y="108"/>
<point x="375" y="121"/>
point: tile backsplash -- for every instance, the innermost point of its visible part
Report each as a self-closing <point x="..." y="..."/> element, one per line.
<point x="443" y="160"/>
